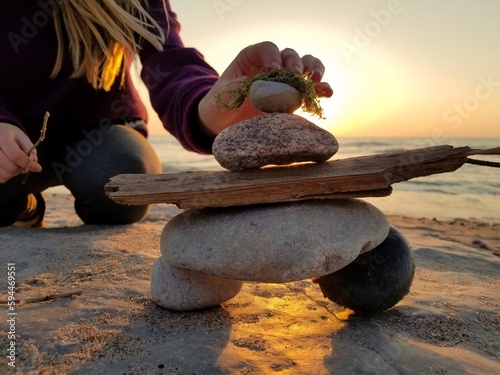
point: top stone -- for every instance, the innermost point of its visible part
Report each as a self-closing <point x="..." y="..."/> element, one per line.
<point x="268" y="96"/>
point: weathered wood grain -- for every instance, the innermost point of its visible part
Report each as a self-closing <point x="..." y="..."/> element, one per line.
<point x="364" y="176"/>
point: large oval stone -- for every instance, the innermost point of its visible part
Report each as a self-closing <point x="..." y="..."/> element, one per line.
<point x="184" y="290"/>
<point x="268" y="96"/>
<point x="273" y="242"/>
<point x="275" y="138"/>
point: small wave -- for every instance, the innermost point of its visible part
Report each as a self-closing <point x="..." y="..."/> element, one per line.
<point x="426" y="183"/>
<point x="364" y="144"/>
<point x="409" y="189"/>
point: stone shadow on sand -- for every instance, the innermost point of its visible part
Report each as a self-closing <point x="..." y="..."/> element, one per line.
<point x="160" y="341"/>
<point x="381" y="348"/>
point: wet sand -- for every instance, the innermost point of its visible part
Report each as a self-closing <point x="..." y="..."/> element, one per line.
<point x="449" y="323"/>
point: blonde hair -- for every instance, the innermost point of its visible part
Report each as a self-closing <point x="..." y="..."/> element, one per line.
<point x="103" y="37"/>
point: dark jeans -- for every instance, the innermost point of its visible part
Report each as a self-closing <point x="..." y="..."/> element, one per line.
<point x="84" y="166"/>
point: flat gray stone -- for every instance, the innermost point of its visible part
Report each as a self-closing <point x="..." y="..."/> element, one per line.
<point x="273" y="242"/>
<point x="268" y="96"/>
<point x="276" y="138"/>
<point x="184" y="290"/>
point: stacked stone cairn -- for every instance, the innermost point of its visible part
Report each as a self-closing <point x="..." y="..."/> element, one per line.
<point x="346" y="245"/>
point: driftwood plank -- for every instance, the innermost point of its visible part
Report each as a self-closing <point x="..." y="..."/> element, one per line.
<point x="365" y="176"/>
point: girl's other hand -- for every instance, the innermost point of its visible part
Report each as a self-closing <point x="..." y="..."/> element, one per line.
<point x="14" y="148"/>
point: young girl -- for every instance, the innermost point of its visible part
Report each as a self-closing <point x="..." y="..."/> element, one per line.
<point x="72" y="58"/>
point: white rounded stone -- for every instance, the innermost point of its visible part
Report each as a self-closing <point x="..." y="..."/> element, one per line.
<point x="273" y="242"/>
<point x="269" y="96"/>
<point x="183" y="290"/>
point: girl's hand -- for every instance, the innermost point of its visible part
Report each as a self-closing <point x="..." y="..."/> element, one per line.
<point x="14" y="148"/>
<point x="249" y="62"/>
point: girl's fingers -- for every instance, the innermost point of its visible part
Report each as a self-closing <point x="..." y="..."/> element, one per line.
<point x="291" y="60"/>
<point x="267" y="55"/>
<point x="323" y="90"/>
<point x="35" y="167"/>
<point x="26" y="146"/>
<point x="17" y="155"/>
<point x="7" y="166"/>
<point x="315" y="66"/>
<point x="254" y="57"/>
<point x="14" y="161"/>
<point x="4" y="176"/>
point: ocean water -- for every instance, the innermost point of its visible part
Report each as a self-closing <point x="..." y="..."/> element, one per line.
<point x="472" y="192"/>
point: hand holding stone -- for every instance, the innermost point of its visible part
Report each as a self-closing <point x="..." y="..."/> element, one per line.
<point x="246" y="64"/>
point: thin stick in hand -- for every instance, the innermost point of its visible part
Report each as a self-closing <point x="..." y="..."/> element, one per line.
<point x="37" y="143"/>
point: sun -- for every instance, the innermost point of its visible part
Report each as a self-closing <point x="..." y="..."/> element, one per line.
<point x="334" y="107"/>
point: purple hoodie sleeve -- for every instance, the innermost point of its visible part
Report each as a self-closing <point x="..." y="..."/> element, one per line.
<point x="177" y="78"/>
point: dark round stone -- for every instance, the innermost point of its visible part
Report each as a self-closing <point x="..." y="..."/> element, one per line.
<point x="376" y="280"/>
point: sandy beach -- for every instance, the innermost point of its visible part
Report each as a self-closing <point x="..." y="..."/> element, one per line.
<point x="448" y="324"/>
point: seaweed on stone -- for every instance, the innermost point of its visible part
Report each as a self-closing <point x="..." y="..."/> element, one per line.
<point x="301" y="82"/>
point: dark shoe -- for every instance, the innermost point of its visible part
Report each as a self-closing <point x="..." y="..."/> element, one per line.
<point x="35" y="211"/>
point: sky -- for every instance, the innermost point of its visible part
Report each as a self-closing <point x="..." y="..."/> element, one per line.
<point x="399" y="68"/>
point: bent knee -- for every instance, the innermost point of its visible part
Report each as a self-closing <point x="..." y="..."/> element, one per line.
<point x="110" y="213"/>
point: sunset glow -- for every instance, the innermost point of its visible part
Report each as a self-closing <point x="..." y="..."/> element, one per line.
<point x="398" y="68"/>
